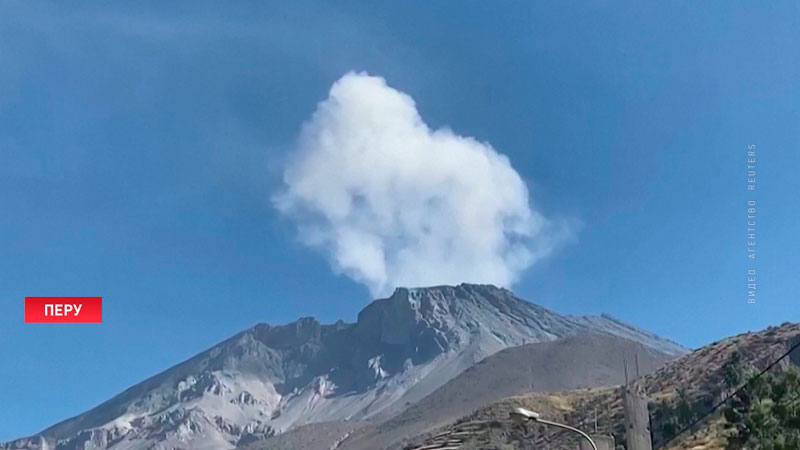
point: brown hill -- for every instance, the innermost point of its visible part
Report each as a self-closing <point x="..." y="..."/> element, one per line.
<point x="587" y="360"/>
<point x="697" y="377"/>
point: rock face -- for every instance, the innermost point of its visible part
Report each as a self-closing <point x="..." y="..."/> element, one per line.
<point x="575" y="362"/>
<point x="269" y="379"/>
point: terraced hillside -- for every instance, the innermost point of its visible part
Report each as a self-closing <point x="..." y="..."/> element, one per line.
<point x="697" y="378"/>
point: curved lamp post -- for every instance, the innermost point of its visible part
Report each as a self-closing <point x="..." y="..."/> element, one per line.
<point x="522" y="415"/>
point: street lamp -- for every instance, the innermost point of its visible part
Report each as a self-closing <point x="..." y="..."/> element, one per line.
<point x="522" y="415"/>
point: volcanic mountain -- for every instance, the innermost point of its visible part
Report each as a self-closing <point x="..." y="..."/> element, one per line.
<point x="270" y="379"/>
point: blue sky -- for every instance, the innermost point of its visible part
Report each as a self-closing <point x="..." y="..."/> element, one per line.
<point x="140" y="147"/>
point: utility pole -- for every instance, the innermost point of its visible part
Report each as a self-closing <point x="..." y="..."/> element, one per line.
<point x="637" y="418"/>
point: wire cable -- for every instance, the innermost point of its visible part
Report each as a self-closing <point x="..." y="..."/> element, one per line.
<point x="730" y="396"/>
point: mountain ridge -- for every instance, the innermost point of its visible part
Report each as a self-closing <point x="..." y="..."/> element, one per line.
<point x="271" y="378"/>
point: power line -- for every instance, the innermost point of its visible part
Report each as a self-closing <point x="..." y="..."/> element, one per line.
<point x="730" y="396"/>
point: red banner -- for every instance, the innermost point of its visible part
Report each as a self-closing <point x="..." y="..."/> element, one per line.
<point x="63" y="309"/>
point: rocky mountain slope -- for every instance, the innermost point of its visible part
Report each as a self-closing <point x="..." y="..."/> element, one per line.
<point x="587" y="360"/>
<point x="269" y="379"/>
<point x="697" y="377"/>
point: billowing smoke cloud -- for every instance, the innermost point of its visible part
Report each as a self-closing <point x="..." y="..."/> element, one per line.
<point x="394" y="203"/>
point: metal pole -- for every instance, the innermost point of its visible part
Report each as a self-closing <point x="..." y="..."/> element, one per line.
<point x="522" y="415"/>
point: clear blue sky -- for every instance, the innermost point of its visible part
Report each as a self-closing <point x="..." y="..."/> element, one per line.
<point x="140" y="146"/>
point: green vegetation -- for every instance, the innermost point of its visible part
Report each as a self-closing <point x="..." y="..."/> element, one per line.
<point x="670" y="417"/>
<point x="766" y="414"/>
